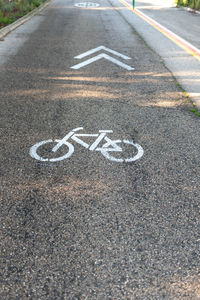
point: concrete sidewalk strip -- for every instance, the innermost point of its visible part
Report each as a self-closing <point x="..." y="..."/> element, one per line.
<point x="188" y="47"/>
<point x="179" y="50"/>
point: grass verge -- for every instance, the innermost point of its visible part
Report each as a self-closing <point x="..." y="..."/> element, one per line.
<point x="194" y="4"/>
<point x="194" y="111"/>
<point x="11" y="10"/>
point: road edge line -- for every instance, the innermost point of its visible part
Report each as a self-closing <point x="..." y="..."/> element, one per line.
<point x="189" y="48"/>
<point x="192" y="50"/>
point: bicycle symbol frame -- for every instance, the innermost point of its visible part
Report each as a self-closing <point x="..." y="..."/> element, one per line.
<point x="106" y="149"/>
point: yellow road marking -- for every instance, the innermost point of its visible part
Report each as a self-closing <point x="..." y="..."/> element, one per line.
<point x="172" y="36"/>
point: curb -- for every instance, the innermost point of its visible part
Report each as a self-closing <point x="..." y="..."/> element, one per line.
<point x="189" y="9"/>
<point x="4" y="31"/>
<point x="194" y="11"/>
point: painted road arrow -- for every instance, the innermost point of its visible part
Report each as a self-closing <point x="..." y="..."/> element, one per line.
<point x="100" y="56"/>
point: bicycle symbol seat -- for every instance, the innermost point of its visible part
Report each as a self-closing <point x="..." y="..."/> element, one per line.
<point x="106" y="149"/>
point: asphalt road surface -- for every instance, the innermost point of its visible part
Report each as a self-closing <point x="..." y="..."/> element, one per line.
<point x="89" y="221"/>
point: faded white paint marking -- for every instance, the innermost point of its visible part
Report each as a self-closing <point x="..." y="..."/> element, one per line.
<point x="138" y="155"/>
<point x="106" y="149"/>
<point x="100" y="56"/>
<point x="106" y="152"/>
<point x="33" y="151"/>
<point x="89" y="52"/>
<point x="86" y="4"/>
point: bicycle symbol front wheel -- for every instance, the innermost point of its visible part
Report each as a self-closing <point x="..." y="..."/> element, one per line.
<point x="34" y="150"/>
<point x="140" y="152"/>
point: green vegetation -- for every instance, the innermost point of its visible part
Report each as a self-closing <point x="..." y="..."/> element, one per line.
<point x="194" y="110"/>
<point x="11" y="10"/>
<point x="195" y="4"/>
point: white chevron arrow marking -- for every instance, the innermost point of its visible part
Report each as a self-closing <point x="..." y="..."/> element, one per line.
<point x="89" y="52"/>
<point x="103" y="55"/>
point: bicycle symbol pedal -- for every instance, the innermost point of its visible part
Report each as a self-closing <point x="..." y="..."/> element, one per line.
<point x="108" y="147"/>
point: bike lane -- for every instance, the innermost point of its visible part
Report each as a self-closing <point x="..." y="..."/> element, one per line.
<point x="87" y="226"/>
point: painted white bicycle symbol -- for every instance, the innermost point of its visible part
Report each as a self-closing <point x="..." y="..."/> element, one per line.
<point x="106" y="149"/>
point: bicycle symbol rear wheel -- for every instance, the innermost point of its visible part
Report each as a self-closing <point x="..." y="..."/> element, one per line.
<point x="140" y="152"/>
<point x="34" y="149"/>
